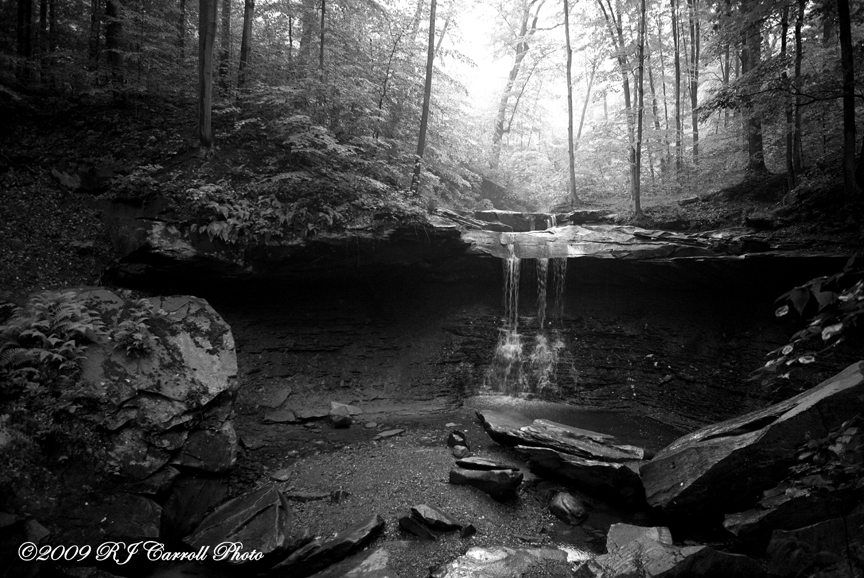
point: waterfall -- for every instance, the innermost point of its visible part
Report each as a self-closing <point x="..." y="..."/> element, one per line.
<point x="514" y="371"/>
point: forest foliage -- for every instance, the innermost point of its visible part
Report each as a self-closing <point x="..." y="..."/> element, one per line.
<point x="665" y="98"/>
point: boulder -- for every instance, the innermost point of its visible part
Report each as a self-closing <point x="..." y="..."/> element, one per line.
<point x="259" y="520"/>
<point x="500" y="484"/>
<point x="568" y="509"/>
<point x="280" y="416"/>
<point x="615" y="481"/>
<point x="649" y="552"/>
<point x="566" y="439"/>
<point x="457" y="438"/>
<point x="319" y="554"/>
<point x="434" y="518"/>
<point x="344" y="409"/>
<point x="460" y="452"/>
<point x="725" y="467"/>
<point x="501" y="562"/>
<point x="166" y="391"/>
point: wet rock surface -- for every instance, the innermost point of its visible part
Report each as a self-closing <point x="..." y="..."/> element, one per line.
<point x="504" y="562"/>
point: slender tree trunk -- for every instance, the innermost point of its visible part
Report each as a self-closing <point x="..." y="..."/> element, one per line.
<point x="695" y="49"/>
<point x="791" y="179"/>
<point x="321" y="43"/>
<point x="245" y="43"/>
<point x="95" y="19"/>
<point x="526" y="31"/>
<point x="206" y="39"/>
<point x="181" y="33"/>
<point x="427" y="97"/>
<point x="25" y="38"/>
<point x="654" y="107"/>
<point x="850" y="187"/>
<point x="443" y="34"/>
<point x="52" y="26"/>
<point x="797" y="151"/>
<point x="113" y="44"/>
<point x="591" y="76"/>
<point x="637" y="198"/>
<point x="616" y="32"/>
<point x="574" y="198"/>
<point x="225" y="47"/>
<point x="751" y="51"/>
<point x="676" y="40"/>
<point x="43" y="38"/>
<point x="307" y="34"/>
<point x="386" y="81"/>
<point x="667" y="156"/>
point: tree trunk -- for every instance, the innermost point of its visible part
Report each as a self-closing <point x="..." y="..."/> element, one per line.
<point x="52" y="26"/>
<point x="427" y="97"/>
<point x="850" y="187"/>
<point x="695" y="55"/>
<point x="245" y="43"/>
<point x="443" y="33"/>
<point x="585" y="103"/>
<point x="791" y="178"/>
<point x="225" y="47"/>
<point x="797" y="151"/>
<point x="655" y="110"/>
<point x="95" y="19"/>
<point x="321" y="42"/>
<point x="522" y="47"/>
<point x="206" y="40"/>
<point x="664" y="166"/>
<point x="25" y="38"/>
<point x="751" y="51"/>
<point x="181" y="33"/>
<point x="675" y="38"/>
<point x="113" y="44"/>
<point x="307" y="34"/>
<point x="43" y="36"/>
<point x="613" y="24"/>
<point x="640" y="88"/>
<point x="574" y="198"/>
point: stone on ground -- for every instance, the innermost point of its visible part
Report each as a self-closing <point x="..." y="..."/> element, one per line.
<point x="435" y="518"/>
<point x="280" y="416"/>
<point x="457" y="438"/>
<point x="500" y="484"/>
<point x="414" y="526"/>
<point x="567" y="508"/>
<point x="460" y="452"/>
<point x="478" y="463"/>
<point x="372" y="563"/>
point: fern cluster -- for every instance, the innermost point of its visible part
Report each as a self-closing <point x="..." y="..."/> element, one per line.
<point x="132" y="334"/>
<point x="41" y="345"/>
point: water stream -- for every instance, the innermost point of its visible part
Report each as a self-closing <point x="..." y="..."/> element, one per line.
<point x="517" y="367"/>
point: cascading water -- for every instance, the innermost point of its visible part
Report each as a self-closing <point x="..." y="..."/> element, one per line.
<point x="513" y="372"/>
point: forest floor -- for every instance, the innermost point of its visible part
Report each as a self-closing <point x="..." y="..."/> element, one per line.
<point x="51" y="237"/>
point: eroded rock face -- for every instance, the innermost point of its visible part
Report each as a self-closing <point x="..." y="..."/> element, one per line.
<point x="725" y="467"/>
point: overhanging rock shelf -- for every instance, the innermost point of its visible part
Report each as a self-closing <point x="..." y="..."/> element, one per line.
<point x="152" y="247"/>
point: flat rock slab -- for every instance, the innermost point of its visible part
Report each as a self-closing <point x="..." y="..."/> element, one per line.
<point x="319" y="554"/>
<point x="389" y="434"/>
<point x="478" y="463"/>
<point x="725" y="467"/>
<point x="500" y="484"/>
<point x="501" y="562"/>
<point x="648" y="552"/>
<point x="414" y="526"/>
<point x="616" y="481"/>
<point x="566" y="439"/>
<point x="280" y="416"/>
<point x="258" y="520"/>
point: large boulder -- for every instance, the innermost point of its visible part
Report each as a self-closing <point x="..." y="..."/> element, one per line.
<point x="165" y="381"/>
<point x="725" y="467"/>
<point x="635" y="551"/>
